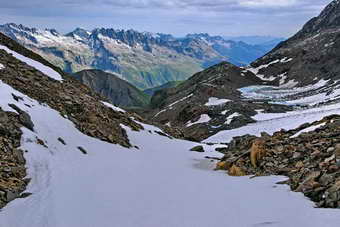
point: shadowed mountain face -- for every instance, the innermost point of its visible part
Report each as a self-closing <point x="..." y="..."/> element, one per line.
<point x="309" y="56"/>
<point x="118" y="91"/>
<point x="145" y="60"/>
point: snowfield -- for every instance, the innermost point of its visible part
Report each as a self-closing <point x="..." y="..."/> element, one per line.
<point x="273" y="122"/>
<point x="162" y="184"/>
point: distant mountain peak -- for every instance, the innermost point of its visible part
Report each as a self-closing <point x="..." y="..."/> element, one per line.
<point x="79" y="33"/>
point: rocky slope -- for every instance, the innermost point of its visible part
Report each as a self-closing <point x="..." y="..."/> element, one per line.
<point x="27" y="72"/>
<point x="308" y="155"/>
<point x="146" y="60"/>
<point x="151" y="91"/>
<point x="12" y="171"/>
<point x="118" y="91"/>
<point x="209" y="102"/>
<point x="310" y="55"/>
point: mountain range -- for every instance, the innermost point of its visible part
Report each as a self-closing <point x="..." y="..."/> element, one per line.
<point x="144" y="59"/>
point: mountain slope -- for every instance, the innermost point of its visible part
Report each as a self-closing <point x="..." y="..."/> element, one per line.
<point x="151" y="91"/>
<point x="311" y="55"/>
<point x="102" y="182"/>
<point x="118" y="91"/>
<point x="145" y="60"/>
<point x="209" y="102"/>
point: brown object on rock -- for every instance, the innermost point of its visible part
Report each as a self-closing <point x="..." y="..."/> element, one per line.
<point x="224" y="165"/>
<point x="258" y="151"/>
<point x="236" y="171"/>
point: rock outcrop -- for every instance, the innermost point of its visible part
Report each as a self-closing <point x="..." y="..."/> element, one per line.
<point x="309" y="158"/>
<point x="12" y="162"/>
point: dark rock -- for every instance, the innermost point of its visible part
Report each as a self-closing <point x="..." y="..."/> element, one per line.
<point x="61" y="141"/>
<point x="82" y="150"/>
<point x="197" y="149"/>
<point x="25" y="118"/>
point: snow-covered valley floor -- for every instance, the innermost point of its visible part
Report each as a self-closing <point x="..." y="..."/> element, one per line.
<point x="162" y="184"/>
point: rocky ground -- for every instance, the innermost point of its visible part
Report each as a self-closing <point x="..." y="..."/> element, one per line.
<point x="310" y="159"/>
<point x="12" y="162"/>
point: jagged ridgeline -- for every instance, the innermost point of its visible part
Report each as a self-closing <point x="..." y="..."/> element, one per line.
<point x="145" y="60"/>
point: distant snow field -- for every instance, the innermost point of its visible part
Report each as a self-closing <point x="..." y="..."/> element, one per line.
<point x="2" y="66"/>
<point x="161" y="184"/>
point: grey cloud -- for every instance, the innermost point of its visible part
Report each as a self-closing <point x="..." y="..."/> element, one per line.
<point x="172" y="16"/>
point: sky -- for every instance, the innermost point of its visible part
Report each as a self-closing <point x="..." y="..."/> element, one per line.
<point x="280" y="18"/>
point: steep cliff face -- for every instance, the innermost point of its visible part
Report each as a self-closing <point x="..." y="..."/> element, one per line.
<point x="118" y="91"/>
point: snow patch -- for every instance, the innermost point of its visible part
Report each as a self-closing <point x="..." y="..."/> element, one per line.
<point x="216" y="101"/>
<point x="35" y="64"/>
<point x="115" y="108"/>
<point x="231" y="117"/>
<point x="203" y="119"/>
<point x="261" y="76"/>
<point x="309" y="129"/>
<point x="225" y="112"/>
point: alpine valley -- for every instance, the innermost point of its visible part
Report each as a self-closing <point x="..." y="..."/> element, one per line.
<point x="250" y="145"/>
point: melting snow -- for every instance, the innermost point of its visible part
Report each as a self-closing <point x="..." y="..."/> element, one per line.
<point x="216" y="101"/>
<point x="231" y="117"/>
<point x="203" y="119"/>
<point x="273" y="122"/>
<point x="262" y="77"/>
<point x="35" y="64"/>
<point x="172" y="104"/>
<point x="309" y="129"/>
<point x="225" y="112"/>
<point x="115" y="108"/>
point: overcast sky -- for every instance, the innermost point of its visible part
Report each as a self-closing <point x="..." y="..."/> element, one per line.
<point x="178" y="17"/>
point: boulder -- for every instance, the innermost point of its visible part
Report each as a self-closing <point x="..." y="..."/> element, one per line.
<point x="197" y="149"/>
